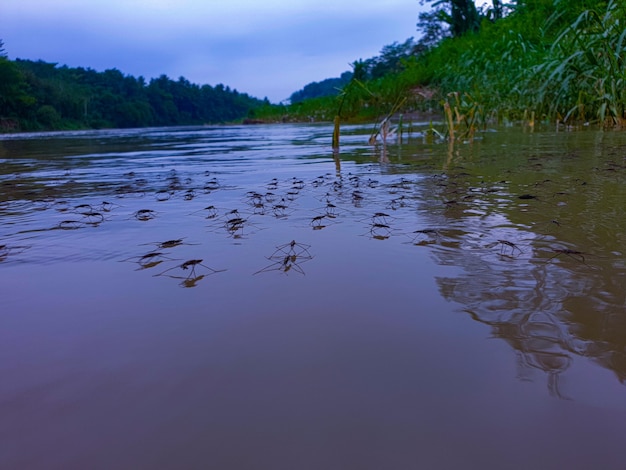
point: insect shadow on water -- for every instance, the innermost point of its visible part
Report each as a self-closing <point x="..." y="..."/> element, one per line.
<point x="149" y="260"/>
<point x="508" y="249"/>
<point x="70" y="225"/>
<point x="6" y="251"/>
<point x="209" y="212"/>
<point x="292" y="195"/>
<point x="317" y="222"/>
<point x="93" y="218"/>
<point x="354" y="180"/>
<point x="273" y="184"/>
<point x="256" y="201"/>
<point x="189" y="195"/>
<point x="297" y="184"/>
<point x="83" y="208"/>
<point x="106" y="206"/>
<point x="379" y="227"/>
<point x="321" y="221"/>
<point x="169" y="243"/>
<point x="144" y="214"/>
<point x="62" y="206"/>
<point x="337" y="187"/>
<point x="399" y="186"/>
<point x="187" y="274"/>
<point x="234" y="222"/>
<point x="254" y="196"/>
<point x="259" y="208"/>
<point x="321" y="180"/>
<point x="574" y="254"/>
<point x="128" y="190"/>
<point x="90" y="216"/>
<point x="212" y="185"/>
<point x="288" y="257"/>
<point x="163" y="195"/>
<point x="370" y="183"/>
<point x="281" y="210"/>
<point x="399" y="202"/>
<point x="270" y="197"/>
<point x="330" y="210"/>
<point x="548" y="226"/>
<point x="234" y="226"/>
<point x="357" y="198"/>
<point x="380" y="231"/>
<point x="381" y="218"/>
<point x="426" y="236"/>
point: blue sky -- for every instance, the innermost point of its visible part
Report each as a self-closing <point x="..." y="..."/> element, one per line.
<point x="265" y="48"/>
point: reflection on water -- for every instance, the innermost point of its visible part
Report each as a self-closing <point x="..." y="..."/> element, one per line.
<point x="541" y="246"/>
<point x="317" y="325"/>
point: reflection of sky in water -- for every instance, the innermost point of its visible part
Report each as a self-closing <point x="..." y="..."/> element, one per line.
<point x="228" y="292"/>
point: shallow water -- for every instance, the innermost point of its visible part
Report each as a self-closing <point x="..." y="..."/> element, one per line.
<point x="241" y="298"/>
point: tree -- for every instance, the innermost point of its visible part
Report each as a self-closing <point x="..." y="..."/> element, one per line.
<point x="497" y="12"/>
<point x="14" y="100"/>
<point x="391" y="58"/>
<point x="454" y="18"/>
<point x="38" y="95"/>
<point x="464" y="17"/>
<point x="327" y="87"/>
<point x="433" y="29"/>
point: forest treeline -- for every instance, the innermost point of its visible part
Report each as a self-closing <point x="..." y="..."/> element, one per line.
<point x="36" y="95"/>
<point x="327" y="87"/>
<point x="533" y="60"/>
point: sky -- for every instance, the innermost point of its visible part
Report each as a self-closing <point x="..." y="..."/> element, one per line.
<point x="266" y="48"/>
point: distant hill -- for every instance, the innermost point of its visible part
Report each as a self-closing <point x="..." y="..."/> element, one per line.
<point x="392" y="59"/>
<point x="327" y="87"/>
<point x="36" y="95"/>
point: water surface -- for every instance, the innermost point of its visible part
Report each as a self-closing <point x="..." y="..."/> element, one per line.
<point x="243" y="298"/>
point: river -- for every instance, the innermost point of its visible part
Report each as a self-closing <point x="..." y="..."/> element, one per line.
<point x="243" y="298"/>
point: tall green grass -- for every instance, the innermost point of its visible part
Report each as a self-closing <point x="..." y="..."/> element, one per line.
<point x="571" y="69"/>
<point x="584" y="74"/>
<point x="549" y="60"/>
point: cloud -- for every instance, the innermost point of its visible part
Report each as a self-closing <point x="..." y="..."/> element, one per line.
<point x="270" y="48"/>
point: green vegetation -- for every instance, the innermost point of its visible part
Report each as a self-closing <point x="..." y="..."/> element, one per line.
<point x="558" y="61"/>
<point x="530" y="60"/>
<point x="41" y="96"/>
<point x="561" y="60"/>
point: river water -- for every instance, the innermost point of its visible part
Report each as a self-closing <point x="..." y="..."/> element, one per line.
<point x="242" y="298"/>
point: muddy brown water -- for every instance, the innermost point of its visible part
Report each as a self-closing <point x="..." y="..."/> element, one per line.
<point x="241" y="298"/>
